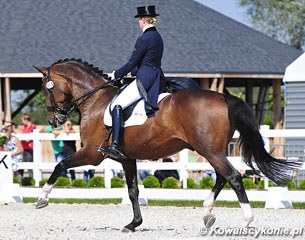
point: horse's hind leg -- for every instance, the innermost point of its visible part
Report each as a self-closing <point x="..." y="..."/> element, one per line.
<point x="130" y="169"/>
<point x="226" y="172"/>
<point x="235" y="180"/>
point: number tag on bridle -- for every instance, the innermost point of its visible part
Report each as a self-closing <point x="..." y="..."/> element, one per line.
<point x="50" y="85"/>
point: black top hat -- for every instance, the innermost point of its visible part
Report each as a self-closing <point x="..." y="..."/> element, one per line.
<point x="146" y="11"/>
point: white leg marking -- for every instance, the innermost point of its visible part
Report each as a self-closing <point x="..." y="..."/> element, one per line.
<point x="208" y="217"/>
<point x="208" y="204"/>
<point x="47" y="188"/>
<point x="248" y="215"/>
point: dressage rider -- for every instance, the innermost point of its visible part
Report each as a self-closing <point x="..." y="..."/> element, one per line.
<point x="145" y="63"/>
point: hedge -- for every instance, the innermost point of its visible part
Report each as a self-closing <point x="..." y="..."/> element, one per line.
<point x="28" y="181"/>
<point x="170" y="182"/>
<point x="206" y="183"/>
<point x="62" y="182"/>
<point x="151" y="182"/>
<point x="96" y="182"/>
<point x="117" y="182"/>
<point x="79" y="183"/>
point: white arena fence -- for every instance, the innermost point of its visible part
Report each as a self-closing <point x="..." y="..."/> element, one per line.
<point x="109" y="165"/>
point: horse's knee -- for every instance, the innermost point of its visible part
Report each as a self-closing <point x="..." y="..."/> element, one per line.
<point x="60" y="166"/>
<point x="133" y="193"/>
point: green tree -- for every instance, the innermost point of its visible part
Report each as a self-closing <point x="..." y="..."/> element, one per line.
<point x="280" y="19"/>
<point x="36" y="108"/>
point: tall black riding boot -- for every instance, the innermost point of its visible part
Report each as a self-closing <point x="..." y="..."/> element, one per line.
<point x="115" y="150"/>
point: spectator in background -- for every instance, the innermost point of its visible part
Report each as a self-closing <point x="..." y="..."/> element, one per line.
<point x="69" y="145"/>
<point x="162" y="174"/>
<point x="3" y="139"/>
<point x="143" y="173"/>
<point x="210" y="173"/>
<point x="88" y="174"/>
<point x="250" y="174"/>
<point x="13" y="145"/>
<point x="11" y="126"/>
<point x="27" y="145"/>
<point x="58" y="146"/>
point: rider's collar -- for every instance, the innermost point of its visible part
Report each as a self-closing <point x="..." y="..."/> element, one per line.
<point x="147" y="26"/>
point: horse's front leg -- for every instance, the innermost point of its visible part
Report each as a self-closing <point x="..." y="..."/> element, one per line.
<point x="208" y="204"/>
<point x="130" y="168"/>
<point x="80" y="158"/>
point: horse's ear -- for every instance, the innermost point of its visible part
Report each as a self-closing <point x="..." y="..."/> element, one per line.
<point x="43" y="70"/>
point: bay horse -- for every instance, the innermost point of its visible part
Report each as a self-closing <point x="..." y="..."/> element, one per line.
<point x="195" y="119"/>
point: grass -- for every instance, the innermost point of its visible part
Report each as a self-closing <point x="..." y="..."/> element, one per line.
<point x="198" y="203"/>
<point x="152" y="202"/>
<point x="77" y="200"/>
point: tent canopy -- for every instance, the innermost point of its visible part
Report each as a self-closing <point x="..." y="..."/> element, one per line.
<point x="295" y="72"/>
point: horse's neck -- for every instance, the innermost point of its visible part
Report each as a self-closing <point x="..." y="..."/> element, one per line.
<point x="100" y="98"/>
<point x="84" y="83"/>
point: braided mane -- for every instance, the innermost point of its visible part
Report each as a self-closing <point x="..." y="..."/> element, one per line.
<point x="84" y="64"/>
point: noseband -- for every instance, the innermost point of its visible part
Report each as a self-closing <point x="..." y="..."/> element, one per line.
<point x="62" y="113"/>
<point x="59" y="113"/>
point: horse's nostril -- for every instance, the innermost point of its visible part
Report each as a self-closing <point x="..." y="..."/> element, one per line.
<point x="53" y="122"/>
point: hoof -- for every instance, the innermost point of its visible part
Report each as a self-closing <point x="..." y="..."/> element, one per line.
<point x="246" y="224"/>
<point x="127" y="230"/>
<point x="41" y="203"/>
<point x="209" y="220"/>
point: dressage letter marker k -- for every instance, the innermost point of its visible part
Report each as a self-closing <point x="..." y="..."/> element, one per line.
<point x="2" y="161"/>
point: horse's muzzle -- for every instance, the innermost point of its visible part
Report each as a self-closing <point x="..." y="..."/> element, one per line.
<point x="56" y="121"/>
<point x="52" y="121"/>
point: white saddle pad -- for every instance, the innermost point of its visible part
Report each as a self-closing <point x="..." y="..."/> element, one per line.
<point x="138" y="116"/>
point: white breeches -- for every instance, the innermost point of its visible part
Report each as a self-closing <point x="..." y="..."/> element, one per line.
<point x="128" y="96"/>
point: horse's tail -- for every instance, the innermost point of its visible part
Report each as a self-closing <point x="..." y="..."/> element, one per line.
<point x="252" y="143"/>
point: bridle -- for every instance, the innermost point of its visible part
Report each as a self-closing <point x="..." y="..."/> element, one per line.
<point x="62" y="113"/>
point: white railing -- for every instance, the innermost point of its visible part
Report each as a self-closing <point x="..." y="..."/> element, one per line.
<point x="108" y="165"/>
